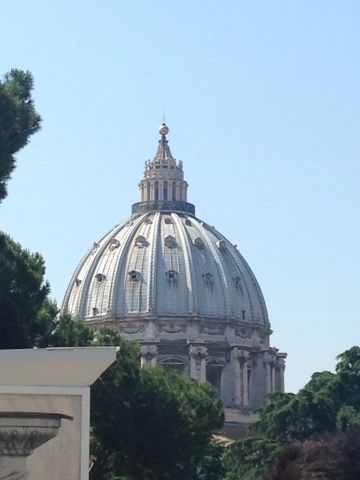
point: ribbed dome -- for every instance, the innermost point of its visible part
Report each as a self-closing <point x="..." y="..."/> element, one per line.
<point x="176" y="286"/>
<point x="165" y="264"/>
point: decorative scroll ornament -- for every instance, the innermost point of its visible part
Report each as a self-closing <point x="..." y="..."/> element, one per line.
<point x="20" y="434"/>
<point x="172" y="327"/>
<point x="213" y="329"/>
<point x="243" y="332"/>
<point x="132" y="328"/>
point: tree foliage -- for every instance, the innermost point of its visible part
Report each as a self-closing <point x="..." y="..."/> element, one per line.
<point x="211" y="466"/>
<point x="18" y="121"/>
<point x="148" y="423"/>
<point x="249" y="458"/>
<point x="26" y="314"/>
<point x="328" y="403"/>
<point x="71" y="331"/>
<point x="330" y="456"/>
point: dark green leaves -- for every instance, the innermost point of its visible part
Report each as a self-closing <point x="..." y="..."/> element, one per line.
<point x="148" y="423"/>
<point x="26" y="314"/>
<point x="18" y="121"/>
<point x="329" y="402"/>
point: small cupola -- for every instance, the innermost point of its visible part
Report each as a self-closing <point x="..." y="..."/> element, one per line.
<point x="163" y="186"/>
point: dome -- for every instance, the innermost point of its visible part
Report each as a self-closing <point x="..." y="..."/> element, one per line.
<point x="177" y="286"/>
<point x="165" y="264"/>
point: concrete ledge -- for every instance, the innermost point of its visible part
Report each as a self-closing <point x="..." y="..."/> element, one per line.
<point x="55" y="366"/>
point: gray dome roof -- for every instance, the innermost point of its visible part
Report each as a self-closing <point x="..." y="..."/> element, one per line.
<point x="163" y="264"/>
<point x="163" y="261"/>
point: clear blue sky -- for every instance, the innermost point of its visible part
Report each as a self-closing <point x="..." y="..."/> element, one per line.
<point x="262" y="99"/>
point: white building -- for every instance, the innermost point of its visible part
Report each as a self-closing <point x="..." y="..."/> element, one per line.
<point x="179" y="288"/>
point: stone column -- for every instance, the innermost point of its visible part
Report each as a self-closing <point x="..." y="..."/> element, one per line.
<point x="198" y="356"/>
<point x="235" y="361"/>
<point x="273" y="376"/>
<point x="267" y="366"/>
<point x="148" y="355"/>
<point x="281" y="363"/>
<point x="245" y="383"/>
<point x="239" y="360"/>
<point x="240" y="365"/>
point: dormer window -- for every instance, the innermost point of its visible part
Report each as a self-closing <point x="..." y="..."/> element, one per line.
<point x="114" y="244"/>
<point x="141" y="242"/>
<point x="208" y="277"/>
<point x="221" y="244"/>
<point x="78" y="282"/>
<point x="237" y="281"/>
<point x="95" y="311"/>
<point x="100" y="277"/>
<point x="170" y="241"/>
<point x="168" y="220"/>
<point x="95" y="247"/>
<point x="134" y="276"/>
<point x="199" y="243"/>
<point x="171" y="274"/>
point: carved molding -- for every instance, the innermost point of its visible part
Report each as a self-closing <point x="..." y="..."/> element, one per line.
<point x="212" y="329"/>
<point x="132" y="328"/>
<point x="172" y="327"/>
<point x="241" y="355"/>
<point x="150" y="350"/>
<point x="198" y="352"/>
<point x="243" y="332"/>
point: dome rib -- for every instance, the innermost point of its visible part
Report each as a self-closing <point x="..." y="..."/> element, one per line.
<point x="121" y="279"/>
<point x="241" y="262"/>
<point x="219" y="265"/>
<point x="188" y="261"/>
<point x="152" y="286"/>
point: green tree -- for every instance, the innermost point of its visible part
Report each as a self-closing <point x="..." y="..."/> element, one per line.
<point x="148" y="423"/>
<point x="211" y="466"/>
<point x="18" y="121"/>
<point x="328" y="403"/>
<point x="27" y="316"/>
<point x="70" y="332"/>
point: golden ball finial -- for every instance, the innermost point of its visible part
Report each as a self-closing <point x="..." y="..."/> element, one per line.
<point x="163" y="129"/>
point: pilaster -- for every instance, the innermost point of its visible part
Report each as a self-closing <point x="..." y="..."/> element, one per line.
<point x="148" y="354"/>
<point x="198" y="356"/>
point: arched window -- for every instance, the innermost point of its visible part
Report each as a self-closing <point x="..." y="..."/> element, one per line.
<point x="165" y="190"/>
<point x="213" y="374"/>
<point x="173" y="363"/>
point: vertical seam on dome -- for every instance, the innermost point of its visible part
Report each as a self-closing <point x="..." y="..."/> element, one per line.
<point x="188" y="260"/>
<point x="219" y="266"/>
<point x="70" y="288"/>
<point x="151" y="295"/>
<point x="256" y="286"/>
<point x="122" y="261"/>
